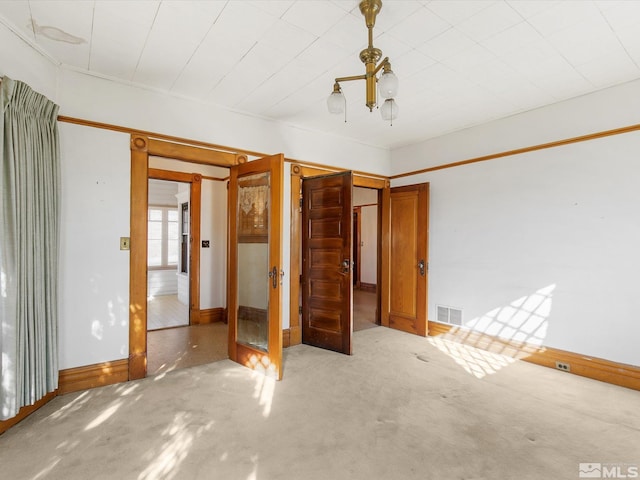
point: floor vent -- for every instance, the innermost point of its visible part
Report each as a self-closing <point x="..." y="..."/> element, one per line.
<point x="452" y="316"/>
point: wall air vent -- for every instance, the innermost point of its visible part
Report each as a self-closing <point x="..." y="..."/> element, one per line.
<point x="449" y="315"/>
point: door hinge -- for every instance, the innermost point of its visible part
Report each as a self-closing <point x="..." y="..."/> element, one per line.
<point x="300" y="203"/>
<point x="300" y="310"/>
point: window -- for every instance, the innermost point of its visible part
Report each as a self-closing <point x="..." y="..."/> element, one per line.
<point x="163" y="237"/>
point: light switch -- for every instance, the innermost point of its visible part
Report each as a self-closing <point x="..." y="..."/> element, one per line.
<point x="125" y="243"/>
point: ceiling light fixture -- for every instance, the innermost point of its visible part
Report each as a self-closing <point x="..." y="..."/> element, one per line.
<point x="387" y="83"/>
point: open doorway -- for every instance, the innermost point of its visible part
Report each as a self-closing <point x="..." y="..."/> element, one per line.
<point x="365" y="255"/>
<point x="185" y="314"/>
<point x="168" y="255"/>
<point x="376" y="188"/>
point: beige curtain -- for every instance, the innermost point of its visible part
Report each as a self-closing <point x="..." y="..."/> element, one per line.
<point x="29" y="232"/>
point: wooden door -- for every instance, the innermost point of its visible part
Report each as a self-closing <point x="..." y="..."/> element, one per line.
<point x="408" y="259"/>
<point x="327" y="285"/>
<point x="255" y="265"/>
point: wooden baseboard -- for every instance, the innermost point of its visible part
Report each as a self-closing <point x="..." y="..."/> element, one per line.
<point x="26" y="411"/>
<point x="596" y="368"/>
<point x="212" y="315"/>
<point x="91" y="376"/>
<point x="368" y="287"/>
<point x="286" y="338"/>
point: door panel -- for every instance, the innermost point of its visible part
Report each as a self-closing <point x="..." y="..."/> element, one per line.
<point x="255" y="265"/>
<point x="408" y="211"/>
<point x="327" y="285"/>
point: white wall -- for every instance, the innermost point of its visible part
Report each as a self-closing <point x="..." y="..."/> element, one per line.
<point x="93" y="98"/>
<point x="94" y="272"/>
<point x="606" y="109"/>
<point x="19" y="61"/>
<point x="542" y="246"/>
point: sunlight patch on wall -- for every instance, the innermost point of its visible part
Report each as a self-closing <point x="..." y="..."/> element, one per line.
<point x="496" y="339"/>
<point x="523" y="320"/>
<point x="96" y="329"/>
<point x="112" y="315"/>
<point x="123" y="311"/>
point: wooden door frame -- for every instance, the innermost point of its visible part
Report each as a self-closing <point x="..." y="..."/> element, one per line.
<point x="141" y="147"/>
<point x="298" y="173"/>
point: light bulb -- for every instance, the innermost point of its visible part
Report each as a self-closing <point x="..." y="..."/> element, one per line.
<point x="389" y="110"/>
<point x="335" y="102"/>
<point x="388" y="84"/>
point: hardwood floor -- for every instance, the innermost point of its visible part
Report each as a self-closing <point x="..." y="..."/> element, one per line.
<point x="187" y="346"/>
<point x="172" y="343"/>
<point x="173" y="348"/>
<point x="165" y="311"/>
<point x="364" y="310"/>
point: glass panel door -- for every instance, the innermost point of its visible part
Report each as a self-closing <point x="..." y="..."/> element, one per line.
<point x="253" y="257"/>
<point x="255" y="267"/>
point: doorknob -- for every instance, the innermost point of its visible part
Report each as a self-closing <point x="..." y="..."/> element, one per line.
<point x="273" y="275"/>
<point x="421" y="267"/>
<point x="346" y="265"/>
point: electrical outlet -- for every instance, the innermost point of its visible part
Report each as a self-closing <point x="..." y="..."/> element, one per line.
<point x="565" y="367"/>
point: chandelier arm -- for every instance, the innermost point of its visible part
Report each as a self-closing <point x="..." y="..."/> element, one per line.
<point x="353" y="77"/>
<point x="384" y="61"/>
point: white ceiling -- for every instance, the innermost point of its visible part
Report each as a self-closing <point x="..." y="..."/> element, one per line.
<point x="460" y="63"/>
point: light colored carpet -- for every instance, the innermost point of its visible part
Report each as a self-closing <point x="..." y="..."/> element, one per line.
<point x="399" y="408"/>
